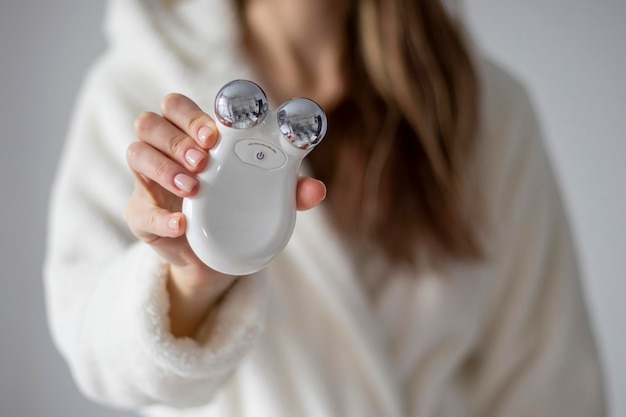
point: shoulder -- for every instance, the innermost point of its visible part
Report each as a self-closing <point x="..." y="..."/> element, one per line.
<point x="510" y="145"/>
<point x="512" y="161"/>
<point x="507" y="111"/>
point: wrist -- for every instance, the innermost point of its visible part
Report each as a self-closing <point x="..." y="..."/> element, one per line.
<point x="198" y="278"/>
<point x="193" y="292"/>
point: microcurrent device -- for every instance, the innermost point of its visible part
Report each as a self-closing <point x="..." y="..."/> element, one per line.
<point x="244" y="212"/>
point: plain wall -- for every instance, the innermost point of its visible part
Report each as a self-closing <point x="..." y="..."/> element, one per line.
<point x="45" y="48"/>
<point x="569" y="52"/>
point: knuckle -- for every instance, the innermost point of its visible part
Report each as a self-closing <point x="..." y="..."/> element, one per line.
<point x="189" y="116"/>
<point x="153" y="221"/>
<point x="196" y="120"/>
<point x="132" y="152"/>
<point x="177" y="144"/>
<point x="143" y="224"/>
<point x="144" y="122"/>
<point x="162" y="168"/>
<point x="171" y="102"/>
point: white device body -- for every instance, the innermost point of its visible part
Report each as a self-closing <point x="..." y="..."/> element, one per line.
<point x="245" y="210"/>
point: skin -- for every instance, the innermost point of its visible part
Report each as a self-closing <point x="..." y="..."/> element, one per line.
<point x="172" y="147"/>
<point x="297" y="47"/>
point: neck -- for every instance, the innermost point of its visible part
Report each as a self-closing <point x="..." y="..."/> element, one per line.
<point x="297" y="47"/>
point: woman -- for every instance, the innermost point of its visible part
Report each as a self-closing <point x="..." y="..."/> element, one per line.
<point x="437" y="279"/>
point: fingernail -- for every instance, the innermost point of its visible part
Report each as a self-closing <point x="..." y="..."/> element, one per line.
<point x="193" y="157"/>
<point x="173" y="223"/>
<point x="185" y="182"/>
<point x="325" y="190"/>
<point x="204" y="133"/>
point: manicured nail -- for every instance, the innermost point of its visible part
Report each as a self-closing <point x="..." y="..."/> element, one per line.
<point x="204" y="133"/>
<point x="325" y="190"/>
<point x="185" y="182"/>
<point x="173" y="223"/>
<point x="193" y="157"/>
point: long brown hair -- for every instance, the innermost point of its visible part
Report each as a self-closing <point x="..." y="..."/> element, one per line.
<point x="397" y="154"/>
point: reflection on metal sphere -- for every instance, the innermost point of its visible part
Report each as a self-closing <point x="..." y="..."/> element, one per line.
<point x="302" y="122"/>
<point x="241" y="104"/>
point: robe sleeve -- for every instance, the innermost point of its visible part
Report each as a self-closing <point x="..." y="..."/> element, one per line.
<point x="106" y="296"/>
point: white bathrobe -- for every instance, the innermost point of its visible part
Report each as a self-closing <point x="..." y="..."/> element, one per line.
<point x="505" y="337"/>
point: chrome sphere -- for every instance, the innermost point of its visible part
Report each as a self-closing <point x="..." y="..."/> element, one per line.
<point x="302" y="122"/>
<point x="241" y="104"/>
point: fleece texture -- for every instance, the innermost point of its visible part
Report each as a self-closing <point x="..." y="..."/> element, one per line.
<point x="316" y="334"/>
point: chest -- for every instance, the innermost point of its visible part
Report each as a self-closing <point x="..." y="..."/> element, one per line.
<point x="332" y="344"/>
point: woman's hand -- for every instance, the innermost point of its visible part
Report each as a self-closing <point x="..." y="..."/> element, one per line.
<point x="172" y="148"/>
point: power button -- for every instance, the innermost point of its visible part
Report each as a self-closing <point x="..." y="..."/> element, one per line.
<point x="260" y="154"/>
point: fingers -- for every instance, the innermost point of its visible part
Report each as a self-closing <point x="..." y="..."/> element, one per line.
<point x="189" y="118"/>
<point x="147" y="161"/>
<point x="159" y="133"/>
<point x="309" y="193"/>
<point x="172" y="148"/>
<point x="150" y="223"/>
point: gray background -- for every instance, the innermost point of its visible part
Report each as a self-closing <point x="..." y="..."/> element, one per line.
<point x="571" y="54"/>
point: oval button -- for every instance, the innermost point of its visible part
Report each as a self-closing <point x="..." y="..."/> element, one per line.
<point x="260" y="153"/>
